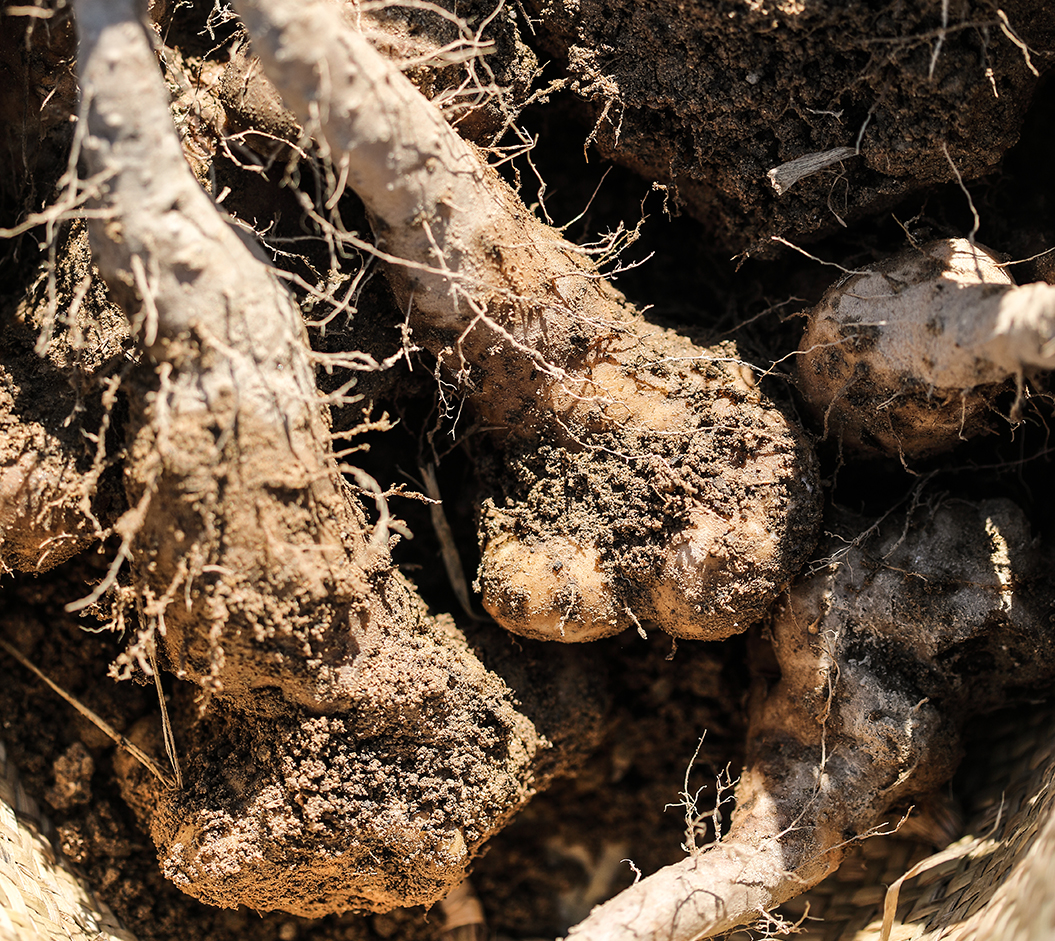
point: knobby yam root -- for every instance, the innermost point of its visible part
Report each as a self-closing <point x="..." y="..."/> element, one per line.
<point x="46" y="490"/>
<point x="379" y="806"/>
<point x="882" y="654"/>
<point x="342" y="748"/>
<point x="713" y="496"/>
<point x="59" y="370"/>
<point x="905" y="359"/>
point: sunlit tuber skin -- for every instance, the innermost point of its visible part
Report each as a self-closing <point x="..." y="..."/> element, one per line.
<point x="554" y="358"/>
<point x="350" y="751"/>
<point x="904" y="360"/>
<point x="882" y="655"/>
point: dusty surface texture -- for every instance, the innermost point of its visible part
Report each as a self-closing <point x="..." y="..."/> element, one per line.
<point x="548" y="351"/>
<point x="403" y="790"/>
<point x="690" y="520"/>
<point x="893" y="361"/>
<point x="454" y="728"/>
<point x="540" y="876"/>
<point x="60" y="347"/>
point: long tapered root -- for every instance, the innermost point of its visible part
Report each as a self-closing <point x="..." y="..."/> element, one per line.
<point x="717" y="497"/>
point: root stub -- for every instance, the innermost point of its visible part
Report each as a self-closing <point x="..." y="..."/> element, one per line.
<point x="906" y="359"/>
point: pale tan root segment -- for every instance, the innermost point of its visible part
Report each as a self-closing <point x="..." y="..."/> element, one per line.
<point x="882" y="656"/>
<point x="552" y="353"/>
<point x="906" y="358"/>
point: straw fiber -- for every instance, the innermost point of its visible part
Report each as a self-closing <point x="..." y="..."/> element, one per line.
<point x="42" y="896"/>
<point x="995" y="883"/>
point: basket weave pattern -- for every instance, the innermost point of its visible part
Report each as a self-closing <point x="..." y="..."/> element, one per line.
<point x="42" y="896"/>
<point x="997" y="883"/>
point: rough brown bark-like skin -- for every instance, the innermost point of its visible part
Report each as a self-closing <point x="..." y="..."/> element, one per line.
<point x="377" y="807"/>
<point x="45" y="500"/>
<point x="59" y="361"/>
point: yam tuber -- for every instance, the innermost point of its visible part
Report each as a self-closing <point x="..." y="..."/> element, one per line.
<point x="882" y="655"/>
<point x="905" y="359"/>
<point x="58" y="493"/>
<point x="687" y="499"/>
<point x="342" y="748"/>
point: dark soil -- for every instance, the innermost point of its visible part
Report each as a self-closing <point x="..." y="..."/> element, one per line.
<point x="709" y="98"/>
<point x="707" y="101"/>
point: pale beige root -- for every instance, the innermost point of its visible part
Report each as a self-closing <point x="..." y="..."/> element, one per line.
<point x="882" y="655"/>
<point x="905" y="359"/>
<point x="554" y="358"/>
<point x="350" y="751"/>
<point x="250" y="559"/>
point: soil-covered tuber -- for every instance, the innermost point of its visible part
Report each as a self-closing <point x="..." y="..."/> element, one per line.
<point x="646" y="479"/>
<point x="46" y="492"/>
<point x="882" y="653"/>
<point x="350" y="751"/>
<point x="59" y="492"/>
<point x="905" y="359"/>
<point x="337" y="744"/>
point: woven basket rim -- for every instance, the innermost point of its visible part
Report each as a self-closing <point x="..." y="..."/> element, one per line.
<point x="994" y="883"/>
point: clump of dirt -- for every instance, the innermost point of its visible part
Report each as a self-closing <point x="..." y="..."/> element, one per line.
<point x="709" y="98"/>
<point x="37" y="96"/>
<point x="437" y="755"/>
<point x="62" y="345"/>
<point x="732" y="468"/>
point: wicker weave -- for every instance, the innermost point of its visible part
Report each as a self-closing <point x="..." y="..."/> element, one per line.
<point x="42" y="896"/>
<point x="997" y="883"/>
